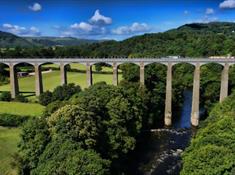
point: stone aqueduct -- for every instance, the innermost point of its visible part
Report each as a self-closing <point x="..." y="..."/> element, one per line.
<point x="115" y="62"/>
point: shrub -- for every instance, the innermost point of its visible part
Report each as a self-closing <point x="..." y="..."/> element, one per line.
<point x="45" y="98"/>
<point x="21" y="98"/>
<point x="65" y="92"/>
<point x="12" y="120"/>
<point x="52" y="107"/>
<point x="5" y="96"/>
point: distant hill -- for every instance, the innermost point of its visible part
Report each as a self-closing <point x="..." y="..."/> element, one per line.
<point x="58" y="41"/>
<point x="193" y="40"/>
<point x="226" y="28"/>
<point x="10" y="40"/>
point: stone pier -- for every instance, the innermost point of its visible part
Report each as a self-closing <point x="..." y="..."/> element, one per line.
<point x="115" y="74"/>
<point x="63" y="74"/>
<point x="196" y="96"/>
<point x="224" y="82"/>
<point x="88" y="74"/>
<point x="142" y="73"/>
<point x="38" y="80"/>
<point x="13" y="81"/>
<point x="168" y="100"/>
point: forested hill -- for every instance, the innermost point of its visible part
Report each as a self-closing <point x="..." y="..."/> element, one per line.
<point x="192" y="40"/>
<point x="10" y="40"/>
<point x="197" y="39"/>
<point x="58" y="41"/>
<point x="214" y="27"/>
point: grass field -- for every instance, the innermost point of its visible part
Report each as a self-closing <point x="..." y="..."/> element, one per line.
<point x="52" y="80"/>
<point x="9" y="137"/>
<point x="17" y="108"/>
<point x="81" y="67"/>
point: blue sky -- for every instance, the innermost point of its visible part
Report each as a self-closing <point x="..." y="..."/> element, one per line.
<point x="107" y="19"/>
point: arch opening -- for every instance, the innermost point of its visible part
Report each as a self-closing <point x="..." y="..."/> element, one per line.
<point x="210" y="84"/>
<point x="4" y="78"/>
<point x="76" y="73"/>
<point x="129" y="72"/>
<point x="155" y="82"/>
<point x="102" y="72"/>
<point x="182" y="90"/>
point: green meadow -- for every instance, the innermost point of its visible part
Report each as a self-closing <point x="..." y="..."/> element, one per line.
<point x="52" y="79"/>
<point x="9" y="138"/>
<point x="18" y="108"/>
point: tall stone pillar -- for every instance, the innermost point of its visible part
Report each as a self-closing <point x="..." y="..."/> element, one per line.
<point x="63" y="74"/>
<point x="168" y="100"/>
<point x="142" y="73"/>
<point x="13" y="81"/>
<point x="196" y="96"/>
<point x="115" y="74"/>
<point x="38" y="80"/>
<point x="88" y="74"/>
<point x="224" y="82"/>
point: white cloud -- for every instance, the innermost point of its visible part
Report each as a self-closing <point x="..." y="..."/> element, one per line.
<point x="132" y="29"/>
<point x="35" y="7"/>
<point x="95" y="26"/>
<point x="23" y="31"/>
<point x="99" y="19"/>
<point x="186" y="12"/>
<point x="227" y="4"/>
<point x="82" y="26"/>
<point x="210" y="11"/>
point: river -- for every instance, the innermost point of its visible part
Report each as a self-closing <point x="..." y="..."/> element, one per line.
<point x="159" y="153"/>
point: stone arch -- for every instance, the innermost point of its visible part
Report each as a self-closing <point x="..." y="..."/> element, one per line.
<point x="184" y="62"/>
<point x="160" y="63"/>
<point x="4" y="63"/>
<point x="128" y="62"/>
<point x="47" y="62"/>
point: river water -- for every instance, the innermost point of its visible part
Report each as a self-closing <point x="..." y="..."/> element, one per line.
<point x="159" y="153"/>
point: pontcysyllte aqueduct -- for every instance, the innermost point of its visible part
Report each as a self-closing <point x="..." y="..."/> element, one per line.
<point x="115" y="62"/>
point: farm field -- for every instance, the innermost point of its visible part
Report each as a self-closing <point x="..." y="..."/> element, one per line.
<point x="52" y="80"/>
<point x="9" y="138"/>
<point x="17" y="108"/>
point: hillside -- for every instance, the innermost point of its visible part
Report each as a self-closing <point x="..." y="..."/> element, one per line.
<point x="212" y="151"/>
<point x="58" y="41"/>
<point x="189" y="40"/>
<point x="10" y="40"/>
<point x="226" y="28"/>
<point x="192" y="40"/>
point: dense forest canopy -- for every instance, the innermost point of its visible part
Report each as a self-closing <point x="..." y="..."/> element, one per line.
<point x="212" y="150"/>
